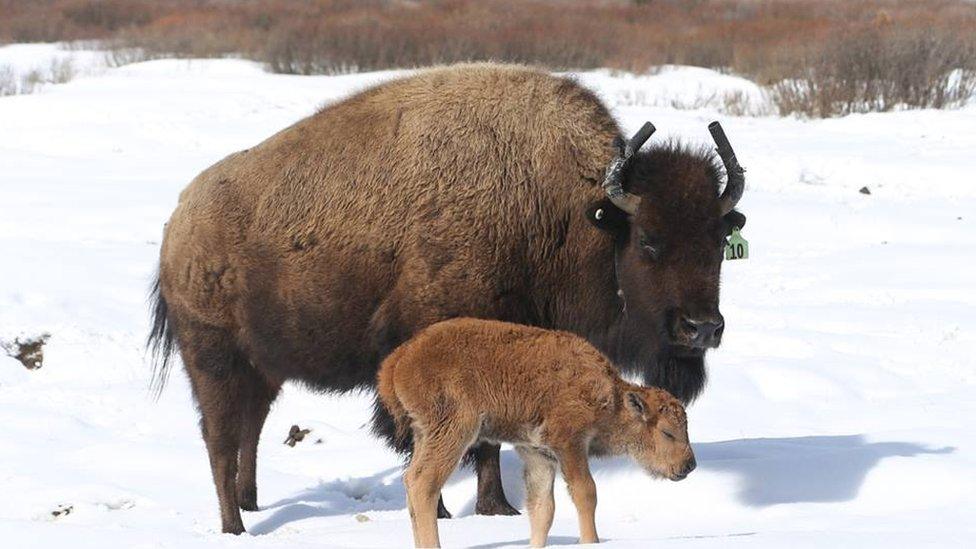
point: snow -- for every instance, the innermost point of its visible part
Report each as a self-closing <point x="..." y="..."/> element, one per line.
<point x="24" y="58"/>
<point x="678" y="87"/>
<point x="839" y="410"/>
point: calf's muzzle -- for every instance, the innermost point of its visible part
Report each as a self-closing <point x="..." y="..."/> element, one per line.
<point x="686" y="470"/>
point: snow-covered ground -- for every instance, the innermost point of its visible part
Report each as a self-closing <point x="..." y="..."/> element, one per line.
<point x="24" y="58"/>
<point x="840" y="409"/>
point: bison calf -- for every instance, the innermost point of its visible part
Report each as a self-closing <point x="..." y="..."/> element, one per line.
<point x="551" y="394"/>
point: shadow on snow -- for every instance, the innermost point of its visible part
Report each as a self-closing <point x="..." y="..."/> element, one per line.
<point x="380" y="492"/>
<point x="802" y="469"/>
<point x="770" y="470"/>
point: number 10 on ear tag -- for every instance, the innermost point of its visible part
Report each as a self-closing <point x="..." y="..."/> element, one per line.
<point x="736" y="247"/>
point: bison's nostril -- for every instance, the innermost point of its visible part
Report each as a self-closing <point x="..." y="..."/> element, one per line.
<point x="707" y="329"/>
<point x="702" y="332"/>
<point x="690" y="327"/>
<point x="690" y="466"/>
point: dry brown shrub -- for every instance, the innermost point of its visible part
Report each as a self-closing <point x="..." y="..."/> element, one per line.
<point x="109" y="15"/>
<point x="880" y="70"/>
<point x="794" y="45"/>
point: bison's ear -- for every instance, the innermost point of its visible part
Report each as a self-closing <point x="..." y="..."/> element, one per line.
<point x="734" y="219"/>
<point x="607" y="217"/>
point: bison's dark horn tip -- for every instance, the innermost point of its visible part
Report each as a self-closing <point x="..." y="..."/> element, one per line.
<point x="641" y="137"/>
<point x="735" y="173"/>
<point x="718" y="135"/>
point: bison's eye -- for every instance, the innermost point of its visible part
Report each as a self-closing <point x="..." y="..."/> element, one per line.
<point x="667" y="435"/>
<point x="652" y="249"/>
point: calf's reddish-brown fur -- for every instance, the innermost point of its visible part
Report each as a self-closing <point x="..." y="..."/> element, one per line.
<point x="550" y="393"/>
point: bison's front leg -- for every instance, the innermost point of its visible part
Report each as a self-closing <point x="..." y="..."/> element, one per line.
<point x="491" y="495"/>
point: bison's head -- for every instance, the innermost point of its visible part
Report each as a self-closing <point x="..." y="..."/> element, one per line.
<point x="670" y="215"/>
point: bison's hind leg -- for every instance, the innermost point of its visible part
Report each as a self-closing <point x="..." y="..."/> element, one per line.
<point x="233" y="400"/>
<point x="256" y="401"/>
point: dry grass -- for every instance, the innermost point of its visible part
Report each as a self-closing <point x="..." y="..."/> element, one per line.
<point x="58" y="71"/>
<point x="818" y="54"/>
<point x="730" y="102"/>
<point x="8" y="81"/>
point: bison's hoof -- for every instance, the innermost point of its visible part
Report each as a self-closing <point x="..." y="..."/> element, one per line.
<point x="236" y="529"/>
<point x="495" y="507"/>
<point x="247" y="500"/>
<point x="249" y="506"/>
<point x="442" y="512"/>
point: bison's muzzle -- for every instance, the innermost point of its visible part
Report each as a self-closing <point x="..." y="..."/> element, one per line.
<point x="697" y="332"/>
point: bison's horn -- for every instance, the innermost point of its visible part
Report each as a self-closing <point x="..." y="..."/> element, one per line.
<point x="613" y="182"/>
<point x="735" y="173"/>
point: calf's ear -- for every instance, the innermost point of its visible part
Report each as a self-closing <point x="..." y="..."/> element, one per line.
<point x="636" y="404"/>
<point x="607" y="217"/>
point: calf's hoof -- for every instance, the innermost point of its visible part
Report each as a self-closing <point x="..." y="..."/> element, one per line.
<point x="492" y="507"/>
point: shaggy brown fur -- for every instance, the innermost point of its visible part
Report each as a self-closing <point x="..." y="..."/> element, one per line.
<point x="550" y="393"/>
<point x="460" y="191"/>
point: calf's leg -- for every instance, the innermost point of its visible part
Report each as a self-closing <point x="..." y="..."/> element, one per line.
<point x="436" y="454"/>
<point x="540" y="472"/>
<point x="576" y="472"/>
<point x="491" y="494"/>
<point x="260" y="393"/>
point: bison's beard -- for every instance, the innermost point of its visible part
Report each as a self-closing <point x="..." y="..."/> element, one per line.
<point x="640" y="348"/>
<point x="682" y="375"/>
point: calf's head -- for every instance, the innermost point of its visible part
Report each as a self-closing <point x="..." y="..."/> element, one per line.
<point x="670" y="223"/>
<point x="653" y="429"/>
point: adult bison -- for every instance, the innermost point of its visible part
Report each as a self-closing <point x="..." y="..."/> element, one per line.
<point x="473" y="190"/>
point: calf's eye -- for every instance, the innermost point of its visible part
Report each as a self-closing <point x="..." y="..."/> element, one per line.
<point x="667" y="435"/>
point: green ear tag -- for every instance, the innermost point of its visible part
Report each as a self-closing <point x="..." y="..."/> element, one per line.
<point x="736" y="247"/>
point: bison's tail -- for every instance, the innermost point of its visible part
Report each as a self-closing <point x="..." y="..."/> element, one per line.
<point x="390" y="418"/>
<point x="160" y="342"/>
